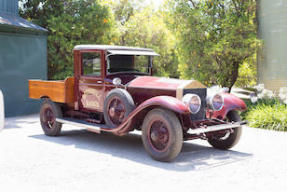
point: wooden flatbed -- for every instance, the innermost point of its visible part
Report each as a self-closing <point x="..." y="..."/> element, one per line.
<point x="61" y="91"/>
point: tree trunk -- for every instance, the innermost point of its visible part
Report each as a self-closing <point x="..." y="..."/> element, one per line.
<point x="234" y="74"/>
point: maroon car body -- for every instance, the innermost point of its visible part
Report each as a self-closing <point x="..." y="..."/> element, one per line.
<point x="110" y="95"/>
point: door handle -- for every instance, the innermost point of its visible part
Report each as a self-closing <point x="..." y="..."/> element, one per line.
<point x="99" y="81"/>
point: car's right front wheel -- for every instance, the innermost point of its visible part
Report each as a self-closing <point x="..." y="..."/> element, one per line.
<point x="162" y="134"/>
<point x="229" y="139"/>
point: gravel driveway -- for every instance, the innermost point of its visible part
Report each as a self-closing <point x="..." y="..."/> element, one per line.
<point x="83" y="161"/>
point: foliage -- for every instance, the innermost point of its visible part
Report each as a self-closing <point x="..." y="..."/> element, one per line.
<point x="214" y="38"/>
<point x="124" y="9"/>
<point x="144" y="26"/>
<point x="69" y="23"/>
<point x="147" y="29"/>
<point x="247" y="74"/>
<point x="212" y="41"/>
<point x="267" y="114"/>
<point x="266" y="110"/>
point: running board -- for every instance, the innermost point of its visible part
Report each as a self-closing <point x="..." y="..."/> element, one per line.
<point x="79" y="123"/>
<point x="214" y="128"/>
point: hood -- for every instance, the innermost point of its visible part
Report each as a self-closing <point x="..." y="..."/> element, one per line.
<point x="162" y="83"/>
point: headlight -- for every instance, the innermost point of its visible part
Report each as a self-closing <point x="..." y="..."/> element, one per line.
<point x="215" y="102"/>
<point x="193" y="102"/>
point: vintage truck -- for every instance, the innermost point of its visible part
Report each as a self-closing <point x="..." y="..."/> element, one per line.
<point x="113" y="90"/>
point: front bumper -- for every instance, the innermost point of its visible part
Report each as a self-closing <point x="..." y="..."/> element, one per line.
<point x="212" y="128"/>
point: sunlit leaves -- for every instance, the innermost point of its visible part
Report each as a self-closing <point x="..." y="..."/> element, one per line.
<point x="145" y="27"/>
<point x="215" y="38"/>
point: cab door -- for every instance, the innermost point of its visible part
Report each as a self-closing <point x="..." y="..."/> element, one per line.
<point x="91" y="82"/>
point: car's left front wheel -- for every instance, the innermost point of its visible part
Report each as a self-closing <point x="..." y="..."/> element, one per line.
<point x="162" y="134"/>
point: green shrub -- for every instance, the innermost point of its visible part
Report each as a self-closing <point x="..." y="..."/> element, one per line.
<point x="267" y="114"/>
<point x="247" y="73"/>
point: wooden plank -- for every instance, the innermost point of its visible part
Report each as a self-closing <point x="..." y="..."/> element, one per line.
<point x="55" y="90"/>
<point x="69" y="90"/>
<point x="58" y="91"/>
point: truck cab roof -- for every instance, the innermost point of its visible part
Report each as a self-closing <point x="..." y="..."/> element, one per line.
<point x="118" y="50"/>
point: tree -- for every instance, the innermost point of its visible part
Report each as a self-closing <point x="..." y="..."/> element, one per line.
<point x="146" y="28"/>
<point x="123" y="10"/>
<point x="143" y="26"/>
<point x="215" y="37"/>
<point x="70" y="22"/>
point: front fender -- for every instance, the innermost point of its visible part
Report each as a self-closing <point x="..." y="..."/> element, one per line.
<point x="167" y="102"/>
<point x="137" y="116"/>
<point x="231" y="102"/>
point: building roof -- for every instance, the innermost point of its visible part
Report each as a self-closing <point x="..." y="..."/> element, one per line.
<point x="118" y="50"/>
<point x="9" y="22"/>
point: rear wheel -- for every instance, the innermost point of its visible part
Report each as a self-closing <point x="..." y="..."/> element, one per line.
<point x="229" y="139"/>
<point x="162" y="135"/>
<point x="48" y="114"/>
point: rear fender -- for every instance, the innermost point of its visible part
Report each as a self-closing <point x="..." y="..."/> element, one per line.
<point x="137" y="116"/>
<point x="231" y="102"/>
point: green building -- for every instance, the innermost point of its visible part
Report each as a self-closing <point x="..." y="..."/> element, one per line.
<point x="272" y="61"/>
<point x="23" y="55"/>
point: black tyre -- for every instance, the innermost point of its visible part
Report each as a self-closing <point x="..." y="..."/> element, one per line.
<point x="48" y="114"/>
<point x="162" y="134"/>
<point x="117" y="106"/>
<point x="230" y="139"/>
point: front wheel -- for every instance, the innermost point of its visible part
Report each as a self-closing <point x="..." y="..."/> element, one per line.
<point x="229" y="139"/>
<point x="162" y="134"/>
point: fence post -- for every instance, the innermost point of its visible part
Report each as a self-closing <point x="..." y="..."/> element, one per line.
<point x="1" y="110"/>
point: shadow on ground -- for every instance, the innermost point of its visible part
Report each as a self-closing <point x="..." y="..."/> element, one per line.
<point x="20" y="122"/>
<point x="192" y="156"/>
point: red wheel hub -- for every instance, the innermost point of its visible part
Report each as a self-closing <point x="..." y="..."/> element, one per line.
<point x="116" y="110"/>
<point x="159" y="135"/>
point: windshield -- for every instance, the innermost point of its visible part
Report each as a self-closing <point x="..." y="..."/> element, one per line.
<point x="128" y="63"/>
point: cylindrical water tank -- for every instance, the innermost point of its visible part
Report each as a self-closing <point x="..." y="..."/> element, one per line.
<point x="272" y="60"/>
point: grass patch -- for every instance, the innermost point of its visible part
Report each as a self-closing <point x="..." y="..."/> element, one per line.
<point x="267" y="114"/>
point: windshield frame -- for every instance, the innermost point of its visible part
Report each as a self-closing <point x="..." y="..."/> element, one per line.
<point x="149" y="67"/>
